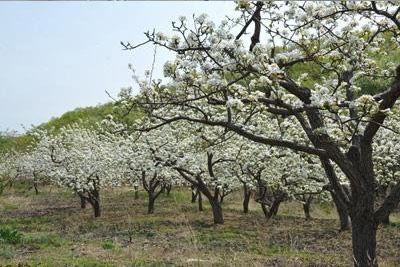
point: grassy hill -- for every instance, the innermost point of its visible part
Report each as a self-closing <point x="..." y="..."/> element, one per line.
<point x="86" y="117"/>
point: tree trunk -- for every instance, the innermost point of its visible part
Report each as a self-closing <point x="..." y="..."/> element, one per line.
<point x="275" y="207"/>
<point x="35" y="185"/>
<point x="363" y="228"/>
<point x="273" y="210"/>
<point x="83" y="202"/>
<point x="96" y="208"/>
<point x="306" y="208"/>
<point x="200" y="201"/>
<point x="342" y="212"/>
<point x="95" y="202"/>
<point x="246" y="199"/>
<point x="265" y="210"/>
<point x="364" y="240"/>
<point x="217" y="211"/>
<point x="150" y="207"/>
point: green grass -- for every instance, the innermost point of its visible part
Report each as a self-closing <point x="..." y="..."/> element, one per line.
<point x="56" y="232"/>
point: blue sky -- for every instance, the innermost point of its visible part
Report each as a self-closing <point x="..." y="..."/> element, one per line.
<point x="57" y="56"/>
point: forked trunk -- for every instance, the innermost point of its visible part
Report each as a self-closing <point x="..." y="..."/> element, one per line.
<point x="272" y="211"/>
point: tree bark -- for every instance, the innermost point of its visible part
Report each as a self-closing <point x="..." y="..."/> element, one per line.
<point x="364" y="239"/>
<point x="275" y="207"/>
<point x="246" y="198"/>
<point x="95" y="202"/>
<point x="150" y="207"/>
<point x="265" y="210"/>
<point x="96" y="208"/>
<point x="217" y="211"/>
<point x="35" y="185"/>
<point x="200" y="201"/>
<point x="306" y="208"/>
<point x="363" y="223"/>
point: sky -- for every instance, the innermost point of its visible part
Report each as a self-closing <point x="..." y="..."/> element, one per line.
<point x="57" y="56"/>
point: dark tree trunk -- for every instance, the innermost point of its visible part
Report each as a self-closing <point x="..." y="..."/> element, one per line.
<point x="363" y="226"/>
<point x="246" y="198"/>
<point x="35" y="185"/>
<point x="94" y="200"/>
<point x="265" y="210"/>
<point x="364" y="240"/>
<point x="96" y="208"/>
<point x="83" y="202"/>
<point x="306" y="208"/>
<point x="150" y="207"/>
<point x="200" y="201"/>
<point x="217" y="211"/>
<point x="273" y="210"/>
<point x="275" y="207"/>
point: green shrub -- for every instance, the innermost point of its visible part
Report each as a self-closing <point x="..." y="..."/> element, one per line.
<point x="108" y="245"/>
<point x="9" y="236"/>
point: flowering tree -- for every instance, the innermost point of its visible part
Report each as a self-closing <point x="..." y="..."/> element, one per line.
<point x="35" y="164"/>
<point x="277" y="175"/>
<point x="220" y="79"/>
<point x="83" y="160"/>
<point x="149" y="156"/>
<point x="207" y="162"/>
<point x="9" y="169"/>
<point x="386" y="158"/>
